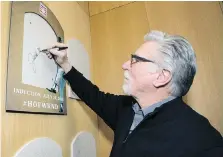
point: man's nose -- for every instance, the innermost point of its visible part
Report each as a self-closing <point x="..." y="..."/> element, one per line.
<point x="126" y="65"/>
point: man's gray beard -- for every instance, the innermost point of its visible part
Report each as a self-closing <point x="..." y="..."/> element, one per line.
<point x="126" y="89"/>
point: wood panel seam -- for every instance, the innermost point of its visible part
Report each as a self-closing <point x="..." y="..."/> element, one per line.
<point x="147" y="16"/>
<point x="112" y="8"/>
<point x="89" y="13"/>
<point x="93" y="80"/>
<point x="82" y="8"/>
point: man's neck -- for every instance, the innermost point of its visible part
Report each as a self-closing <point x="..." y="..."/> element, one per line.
<point x="148" y="100"/>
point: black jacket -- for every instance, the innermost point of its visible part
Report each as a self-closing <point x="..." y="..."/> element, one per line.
<point x="173" y="130"/>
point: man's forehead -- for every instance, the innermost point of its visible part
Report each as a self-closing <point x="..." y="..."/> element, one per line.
<point x="148" y="48"/>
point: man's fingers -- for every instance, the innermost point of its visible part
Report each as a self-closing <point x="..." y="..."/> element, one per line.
<point x="59" y="45"/>
<point x="56" y="45"/>
<point x="55" y="52"/>
<point x="49" y="55"/>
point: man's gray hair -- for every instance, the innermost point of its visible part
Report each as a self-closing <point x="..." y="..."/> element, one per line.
<point x="178" y="57"/>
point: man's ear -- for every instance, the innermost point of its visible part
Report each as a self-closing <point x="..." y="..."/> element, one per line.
<point x="163" y="78"/>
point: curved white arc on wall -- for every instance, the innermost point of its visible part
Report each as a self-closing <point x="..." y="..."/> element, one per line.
<point x="40" y="147"/>
<point x="79" y="58"/>
<point x="83" y="145"/>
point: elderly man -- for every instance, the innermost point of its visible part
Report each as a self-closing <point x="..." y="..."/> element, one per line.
<point x="151" y="120"/>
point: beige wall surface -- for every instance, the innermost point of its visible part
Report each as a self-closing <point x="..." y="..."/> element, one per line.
<point x="17" y="128"/>
<point x="85" y="6"/>
<point x="115" y="34"/>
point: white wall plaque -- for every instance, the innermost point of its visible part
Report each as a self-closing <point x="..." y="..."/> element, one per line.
<point x="40" y="147"/>
<point x="83" y="145"/>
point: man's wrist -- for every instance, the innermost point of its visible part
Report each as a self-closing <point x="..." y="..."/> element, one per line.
<point x="66" y="67"/>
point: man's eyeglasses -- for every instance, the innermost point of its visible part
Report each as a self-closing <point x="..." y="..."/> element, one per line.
<point x="135" y="59"/>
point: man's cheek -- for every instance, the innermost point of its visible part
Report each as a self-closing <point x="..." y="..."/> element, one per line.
<point x="152" y="68"/>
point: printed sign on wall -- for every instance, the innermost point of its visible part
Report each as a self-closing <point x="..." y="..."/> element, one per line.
<point x="43" y="9"/>
<point x="34" y="82"/>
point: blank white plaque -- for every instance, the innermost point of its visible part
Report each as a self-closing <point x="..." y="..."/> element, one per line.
<point x="83" y="145"/>
<point x="40" y="147"/>
<point x="79" y="59"/>
<point x="41" y="71"/>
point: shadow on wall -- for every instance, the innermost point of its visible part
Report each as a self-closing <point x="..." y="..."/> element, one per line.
<point x="103" y="128"/>
<point x="221" y="4"/>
